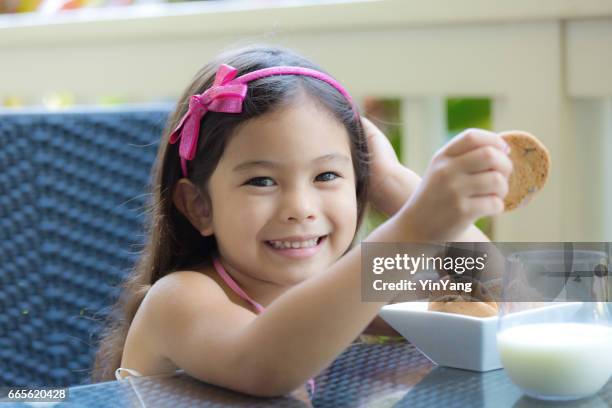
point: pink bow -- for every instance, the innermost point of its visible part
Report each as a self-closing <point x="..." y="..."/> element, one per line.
<point x="223" y="96"/>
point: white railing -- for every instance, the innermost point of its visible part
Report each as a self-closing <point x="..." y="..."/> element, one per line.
<point x="545" y="65"/>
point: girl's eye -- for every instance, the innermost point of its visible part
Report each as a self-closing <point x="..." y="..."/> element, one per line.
<point x="260" y="182"/>
<point x="268" y="182"/>
<point x="327" y="176"/>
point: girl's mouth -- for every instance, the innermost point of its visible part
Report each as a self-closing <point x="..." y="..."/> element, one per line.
<point x="303" y="249"/>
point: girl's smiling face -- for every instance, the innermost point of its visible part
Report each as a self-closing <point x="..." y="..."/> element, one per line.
<point x="285" y="177"/>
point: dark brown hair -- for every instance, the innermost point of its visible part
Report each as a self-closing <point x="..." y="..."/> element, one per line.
<point x="173" y="243"/>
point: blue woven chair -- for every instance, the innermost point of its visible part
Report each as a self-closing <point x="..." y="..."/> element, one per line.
<point x="72" y="191"/>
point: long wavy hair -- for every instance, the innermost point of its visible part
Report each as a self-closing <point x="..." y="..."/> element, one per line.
<point x="172" y="242"/>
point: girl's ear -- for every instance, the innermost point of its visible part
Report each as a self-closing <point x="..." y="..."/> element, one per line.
<point x="190" y="202"/>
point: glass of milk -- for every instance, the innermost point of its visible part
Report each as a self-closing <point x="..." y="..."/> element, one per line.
<point x="555" y="344"/>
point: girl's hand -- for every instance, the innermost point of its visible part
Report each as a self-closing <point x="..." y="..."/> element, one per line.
<point x="466" y="179"/>
<point x="383" y="161"/>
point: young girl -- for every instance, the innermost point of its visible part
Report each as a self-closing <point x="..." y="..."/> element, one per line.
<point x="250" y="279"/>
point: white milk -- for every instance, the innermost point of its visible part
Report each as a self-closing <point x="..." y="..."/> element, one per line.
<point x="564" y="360"/>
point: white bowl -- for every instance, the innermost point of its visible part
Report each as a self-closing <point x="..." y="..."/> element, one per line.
<point x="454" y="340"/>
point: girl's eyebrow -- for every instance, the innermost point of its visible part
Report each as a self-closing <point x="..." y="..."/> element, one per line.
<point x="275" y="165"/>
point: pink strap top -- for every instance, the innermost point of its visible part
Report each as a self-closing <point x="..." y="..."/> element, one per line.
<point x="234" y="286"/>
<point x="238" y="290"/>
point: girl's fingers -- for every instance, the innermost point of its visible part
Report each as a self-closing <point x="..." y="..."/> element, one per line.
<point x="486" y="183"/>
<point x="472" y="139"/>
<point x="483" y="206"/>
<point x="485" y="158"/>
<point x="371" y="131"/>
<point x="368" y="129"/>
<point x="368" y="126"/>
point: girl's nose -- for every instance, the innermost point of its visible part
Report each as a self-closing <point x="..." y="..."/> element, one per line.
<point x="297" y="205"/>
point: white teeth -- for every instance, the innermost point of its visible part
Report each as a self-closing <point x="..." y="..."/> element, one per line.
<point x="295" y="245"/>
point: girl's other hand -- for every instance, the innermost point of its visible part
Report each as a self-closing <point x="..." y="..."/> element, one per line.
<point x="466" y="179"/>
<point x="383" y="161"/>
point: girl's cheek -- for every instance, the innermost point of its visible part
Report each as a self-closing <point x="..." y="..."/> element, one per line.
<point x="348" y="202"/>
<point x="345" y="210"/>
<point x="253" y="209"/>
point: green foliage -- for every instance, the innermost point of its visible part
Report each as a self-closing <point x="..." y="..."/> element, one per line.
<point x="462" y="113"/>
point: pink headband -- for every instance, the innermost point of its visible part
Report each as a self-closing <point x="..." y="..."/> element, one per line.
<point x="226" y="95"/>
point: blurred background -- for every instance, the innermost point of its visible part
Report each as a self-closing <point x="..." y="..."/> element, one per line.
<point x="86" y="85"/>
<point x="423" y="70"/>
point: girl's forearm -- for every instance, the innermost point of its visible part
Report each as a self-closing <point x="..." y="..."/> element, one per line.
<point x="303" y="330"/>
<point x="395" y="190"/>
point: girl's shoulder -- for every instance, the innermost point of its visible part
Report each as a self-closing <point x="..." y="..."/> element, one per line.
<point x="181" y="316"/>
<point x="200" y="276"/>
<point x="183" y="284"/>
<point x="191" y="291"/>
<point x="182" y="299"/>
<point x="174" y="297"/>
